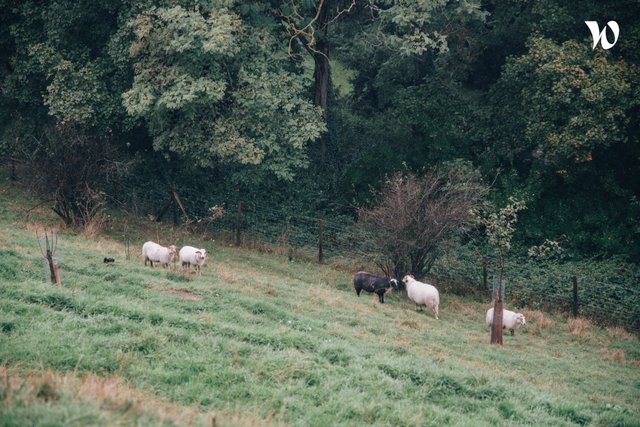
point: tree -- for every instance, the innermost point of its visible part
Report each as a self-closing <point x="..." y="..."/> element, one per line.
<point x="212" y="89"/>
<point x="561" y="122"/>
<point x="499" y="227"/>
<point x="413" y="215"/>
<point x="65" y="112"/>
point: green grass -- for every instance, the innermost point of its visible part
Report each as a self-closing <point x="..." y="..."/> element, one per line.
<point x="259" y="340"/>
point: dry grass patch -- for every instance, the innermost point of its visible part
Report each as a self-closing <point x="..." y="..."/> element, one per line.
<point x="38" y="228"/>
<point x="537" y="322"/>
<point x="617" y="355"/>
<point x="227" y="275"/>
<point x="620" y="334"/>
<point x="581" y="328"/>
<point x="327" y="296"/>
<point x="472" y="310"/>
<point x="110" y="394"/>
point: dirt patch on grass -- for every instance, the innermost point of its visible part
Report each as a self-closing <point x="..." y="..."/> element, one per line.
<point x="183" y="294"/>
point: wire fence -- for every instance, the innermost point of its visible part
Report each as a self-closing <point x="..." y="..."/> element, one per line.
<point x="301" y="235"/>
<point x="606" y="293"/>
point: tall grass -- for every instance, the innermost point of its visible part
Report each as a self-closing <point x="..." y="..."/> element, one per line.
<point x="258" y="339"/>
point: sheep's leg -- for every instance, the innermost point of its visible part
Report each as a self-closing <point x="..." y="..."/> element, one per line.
<point x="151" y="262"/>
<point x="358" y="290"/>
<point x="381" y="298"/>
<point x="435" y="312"/>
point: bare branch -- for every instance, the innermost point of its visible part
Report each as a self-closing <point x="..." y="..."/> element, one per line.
<point x="413" y="216"/>
<point x="339" y="12"/>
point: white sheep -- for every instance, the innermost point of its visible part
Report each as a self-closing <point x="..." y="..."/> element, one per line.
<point x="153" y="252"/>
<point x="422" y="294"/>
<point x="510" y="319"/>
<point x="192" y="256"/>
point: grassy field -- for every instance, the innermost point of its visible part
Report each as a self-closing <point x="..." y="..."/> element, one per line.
<point x="259" y="340"/>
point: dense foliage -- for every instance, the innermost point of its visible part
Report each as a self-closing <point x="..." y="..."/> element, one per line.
<point x="224" y="100"/>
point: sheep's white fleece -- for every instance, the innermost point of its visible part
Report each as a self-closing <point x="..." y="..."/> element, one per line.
<point x="192" y="256"/>
<point x="510" y="319"/>
<point x="153" y="252"/>
<point x="422" y="294"/>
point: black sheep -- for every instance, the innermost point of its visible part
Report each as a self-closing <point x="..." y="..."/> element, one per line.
<point x="372" y="283"/>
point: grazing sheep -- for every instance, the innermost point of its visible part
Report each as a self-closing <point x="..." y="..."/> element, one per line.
<point x="510" y="319"/>
<point x="153" y="252"/>
<point x="372" y="283"/>
<point x="422" y="294"/>
<point x="192" y="256"/>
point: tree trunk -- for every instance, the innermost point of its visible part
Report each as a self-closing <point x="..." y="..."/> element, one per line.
<point x="496" y="329"/>
<point x="321" y="70"/>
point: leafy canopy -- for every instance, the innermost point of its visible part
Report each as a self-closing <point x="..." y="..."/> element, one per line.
<point x="212" y="88"/>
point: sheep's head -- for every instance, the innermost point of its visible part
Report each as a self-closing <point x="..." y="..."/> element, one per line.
<point x="394" y="284"/>
<point x="406" y="279"/>
<point x="201" y="254"/>
<point x="172" y="251"/>
<point x="520" y="319"/>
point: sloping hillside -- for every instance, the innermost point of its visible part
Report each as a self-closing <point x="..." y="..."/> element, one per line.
<point x="259" y="340"/>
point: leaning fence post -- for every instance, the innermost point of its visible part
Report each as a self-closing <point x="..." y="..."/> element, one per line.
<point x="238" y="214"/>
<point x="574" y="279"/>
<point x="320" y="240"/>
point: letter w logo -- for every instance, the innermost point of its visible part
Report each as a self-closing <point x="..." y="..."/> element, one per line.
<point x="597" y="35"/>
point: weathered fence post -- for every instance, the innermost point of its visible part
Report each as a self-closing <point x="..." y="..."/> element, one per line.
<point x="238" y="214"/>
<point x="127" y="248"/>
<point x="496" y="328"/>
<point x="484" y="273"/>
<point x="320" y="240"/>
<point x="574" y="279"/>
<point x="56" y="272"/>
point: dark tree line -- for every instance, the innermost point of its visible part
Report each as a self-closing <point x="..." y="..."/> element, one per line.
<point x="308" y="104"/>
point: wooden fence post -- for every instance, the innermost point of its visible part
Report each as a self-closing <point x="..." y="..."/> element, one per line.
<point x="574" y="279"/>
<point x="238" y="214"/>
<point x="320" y="240"/>
<point x="58" y="279"/>
<point x="496" y="327"/>
<point x="484" y="273"/>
